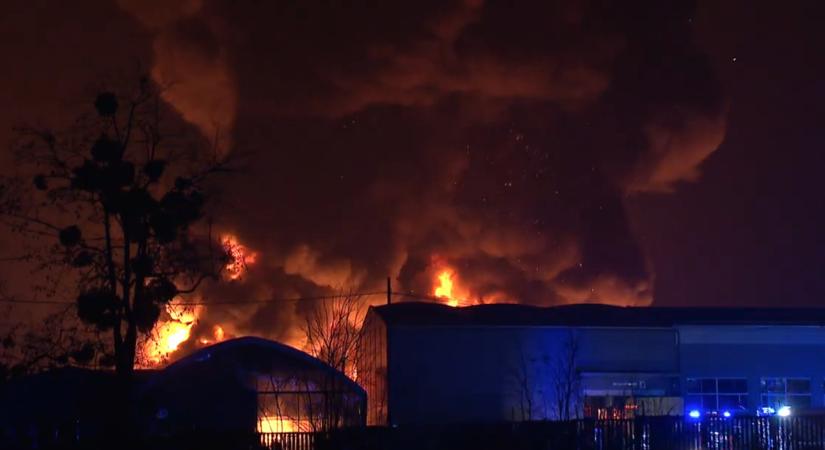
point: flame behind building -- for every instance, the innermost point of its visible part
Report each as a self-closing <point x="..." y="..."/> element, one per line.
<point x="506" y="139"/>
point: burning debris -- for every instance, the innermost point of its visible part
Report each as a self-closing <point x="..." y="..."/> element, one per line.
<point x="239" y="257"/>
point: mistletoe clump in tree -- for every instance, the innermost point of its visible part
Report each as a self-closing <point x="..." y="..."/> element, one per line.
<point x="124" y="201"/>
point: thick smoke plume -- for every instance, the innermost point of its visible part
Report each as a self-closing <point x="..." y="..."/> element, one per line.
<point x="497" y="139"/>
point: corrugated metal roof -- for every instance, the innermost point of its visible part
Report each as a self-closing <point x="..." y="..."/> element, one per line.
<point x="435" y="314"/>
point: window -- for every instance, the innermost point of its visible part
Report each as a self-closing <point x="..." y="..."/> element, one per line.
<point x="716" y="394"/>
<point x="793" y="392"/>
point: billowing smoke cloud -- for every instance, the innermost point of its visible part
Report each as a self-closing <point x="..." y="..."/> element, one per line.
<point x="394" y="138"/>
<point x="190" y="62"/>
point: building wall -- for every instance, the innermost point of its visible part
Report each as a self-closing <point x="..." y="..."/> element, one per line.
<point x="488" y="374"/>
<point x="372" y="368"/>
<point x="755" y="352"/>
<point x="641" y="350"/>
<point x="245" y="384"/>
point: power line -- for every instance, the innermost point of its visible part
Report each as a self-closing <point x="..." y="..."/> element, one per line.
<point x="35" y="302"/>
<point x="279" y="300"/>
<point x="236" y="302"/>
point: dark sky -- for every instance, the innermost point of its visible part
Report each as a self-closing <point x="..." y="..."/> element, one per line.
<point x="750" y="231"/>
<point x="548" y="152"/>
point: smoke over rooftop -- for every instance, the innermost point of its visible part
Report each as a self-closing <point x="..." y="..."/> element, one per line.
<point x="496" y="140"/>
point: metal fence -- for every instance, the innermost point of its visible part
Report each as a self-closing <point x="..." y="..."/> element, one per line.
<point x="715" y="433"/>
<point x="643" y="433"/>
<point x="288" y="441"/>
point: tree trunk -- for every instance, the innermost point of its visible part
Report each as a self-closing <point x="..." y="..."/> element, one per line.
<point x="126" y="357"/>
<point x="122" y="426"/>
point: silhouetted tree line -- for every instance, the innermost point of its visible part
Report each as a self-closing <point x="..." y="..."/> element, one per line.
<point x="119" y="201"/>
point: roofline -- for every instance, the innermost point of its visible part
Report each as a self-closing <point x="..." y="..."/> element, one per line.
<point x="431" y="314"/>
<point x="243" y="340"/>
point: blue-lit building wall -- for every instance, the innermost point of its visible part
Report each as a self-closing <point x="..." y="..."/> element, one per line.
<point x="472" y="374"/>
<point x="755" y="353"/>
<point x="446" y="374"/>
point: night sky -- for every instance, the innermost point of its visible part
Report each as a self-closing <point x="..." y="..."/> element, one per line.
<point x="665" y="153"/>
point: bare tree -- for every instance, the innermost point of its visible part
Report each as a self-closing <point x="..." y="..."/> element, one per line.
<point x="304" y="401"/>
<point x="656" y="406"/>
<point x="120" y="203"/>
<point x="566" y="380"/>
<point x="523" y="380"/>
<point x="332" y="331"/>
<point x="9" y="360"/>
<point x="333" y="335"/>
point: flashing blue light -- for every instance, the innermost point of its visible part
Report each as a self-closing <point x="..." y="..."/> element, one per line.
<point x="694" y="414"/>
<point x="784" y="411"/>
<point x="766" y="411"/>
<point x="726" y="414"/>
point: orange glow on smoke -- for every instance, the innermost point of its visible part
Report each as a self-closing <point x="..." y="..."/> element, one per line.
<point x="218" y="335"/>
<point x="240" y="257"/>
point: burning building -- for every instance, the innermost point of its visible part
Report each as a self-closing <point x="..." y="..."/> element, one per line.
<point x="427" y="363"/>
<point x="236" y="387"/>
<point x="252" y="384"/>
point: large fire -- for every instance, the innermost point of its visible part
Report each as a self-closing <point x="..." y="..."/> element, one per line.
<point x="275" y="424"/>
<point x="177" y="325"/>
<point x="448" y="289"/>
<point x="444" y="289"/>
<point x="170" y="333"/>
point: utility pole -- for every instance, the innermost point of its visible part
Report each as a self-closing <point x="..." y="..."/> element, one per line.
<point x="389" y="291"/>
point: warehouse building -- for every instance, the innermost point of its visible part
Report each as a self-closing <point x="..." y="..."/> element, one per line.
<point x="431" y="363"/>
<point x="246" y="384"/>
<point x="234" y="388"/>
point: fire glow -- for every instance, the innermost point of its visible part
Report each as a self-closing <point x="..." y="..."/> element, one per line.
<point x="444" y="289"/>
<point x="240" y="257"/>
<point x="448" y="289"/>
<point x="176" y="327"/>
<point x="275" y="424"/>
<point x="218" y="335"/>
<point x="170" y="334"/>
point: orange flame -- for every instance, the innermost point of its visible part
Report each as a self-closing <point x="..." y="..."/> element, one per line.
<point x="279" y="424"/>
<point x="448" y="289"/>
<point x="240" y="257"/>
<point x="445" y="287"/>
<point x="170" y="334"/>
